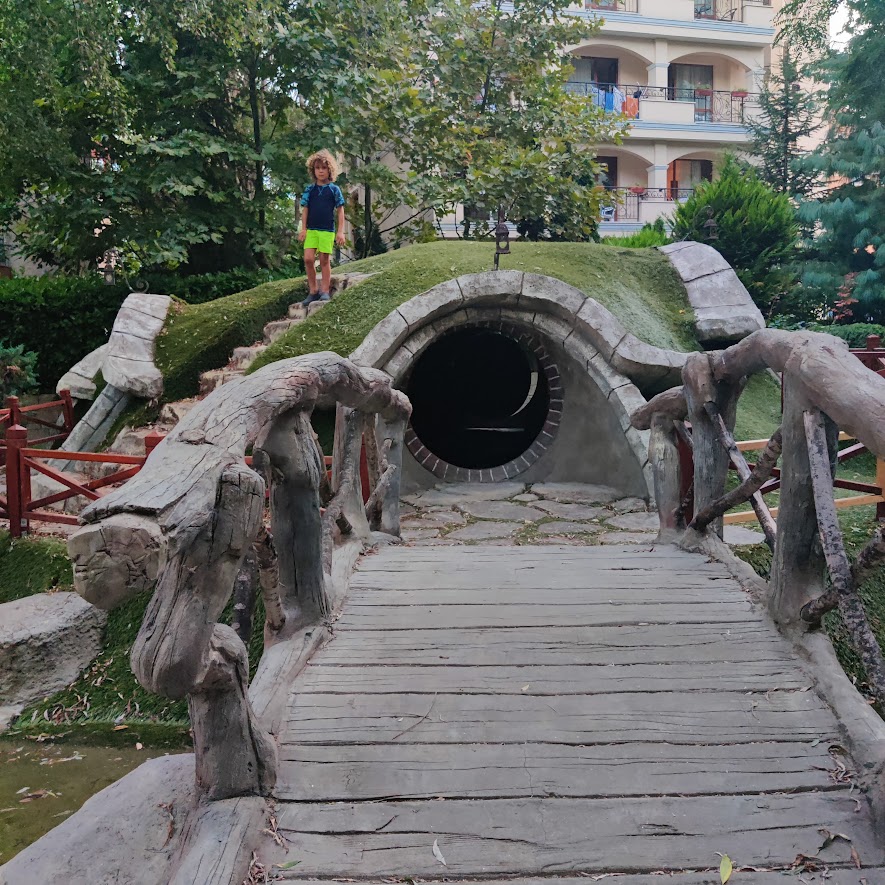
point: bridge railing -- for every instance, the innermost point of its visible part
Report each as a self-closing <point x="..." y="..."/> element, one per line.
<point x="190" y="525"/>
<point x="825" y="389"/>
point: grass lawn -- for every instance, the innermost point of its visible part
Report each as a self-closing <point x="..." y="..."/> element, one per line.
<point x="87" y="710"/>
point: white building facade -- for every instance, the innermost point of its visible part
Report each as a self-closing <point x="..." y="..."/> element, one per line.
<point x="687" y="73"/>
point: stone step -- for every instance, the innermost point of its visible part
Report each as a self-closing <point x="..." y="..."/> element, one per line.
<point x="216" y="377"/>
<point x="297" y="312"/>
<point x="172" y="413"/>
<point x="278" y="328"/>
<point x="243" y="357"/>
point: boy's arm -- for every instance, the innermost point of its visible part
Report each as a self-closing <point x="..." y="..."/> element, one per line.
<point x="339" y="227"/>
<point x="303" y="232"/>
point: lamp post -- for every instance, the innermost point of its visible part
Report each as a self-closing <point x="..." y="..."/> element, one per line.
<point x="502" y="237"/>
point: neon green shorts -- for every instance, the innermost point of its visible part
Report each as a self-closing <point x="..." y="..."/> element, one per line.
<point x="321" y="240"/>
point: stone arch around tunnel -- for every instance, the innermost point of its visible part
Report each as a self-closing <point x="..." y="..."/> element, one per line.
<point x="598" y="370"/>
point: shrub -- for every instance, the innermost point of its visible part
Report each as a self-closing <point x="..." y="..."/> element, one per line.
<point x="200" y="288"/>
<point x="649" y="236"/>
<point x="756" y="229"/>
<point x="854" y="333"/>
<point x="60" y="319"/>
<point x="17" y="374"/>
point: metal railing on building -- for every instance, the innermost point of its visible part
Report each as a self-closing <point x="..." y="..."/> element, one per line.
<point x="625" y="201"/>
<point x="613" y="5"/>
<point x="710" y="105"/>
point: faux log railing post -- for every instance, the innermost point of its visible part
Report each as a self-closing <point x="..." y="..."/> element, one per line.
<point x="663" y="454"/>
<point x="295" y="468"/>
<point x="390" y="430"/>
<point x="346" y="481"/>
<point x="181" y="650"/>
<point x="183" y="525"/>
<point x="850" y="607"/>
<point x="798" y="568"/>
<point x="710" y="458"/>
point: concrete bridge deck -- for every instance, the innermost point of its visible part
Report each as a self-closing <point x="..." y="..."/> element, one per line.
<point x="516" y="713"/>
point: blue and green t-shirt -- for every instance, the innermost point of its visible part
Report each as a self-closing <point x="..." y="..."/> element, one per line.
<point x="322" y="200"/>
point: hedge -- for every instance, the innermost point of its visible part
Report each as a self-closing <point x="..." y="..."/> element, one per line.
<point x="63" y="318"/>
<point x="854" y="333"/>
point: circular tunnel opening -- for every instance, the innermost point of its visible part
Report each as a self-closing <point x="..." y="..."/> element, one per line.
<point x="480" y="399"/>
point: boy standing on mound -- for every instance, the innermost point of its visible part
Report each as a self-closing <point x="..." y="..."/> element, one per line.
<point x="322" y="211"/>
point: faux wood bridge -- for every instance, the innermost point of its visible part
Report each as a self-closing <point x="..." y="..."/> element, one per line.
<point x="506" y="713"/>
<point x="511" y="712"/>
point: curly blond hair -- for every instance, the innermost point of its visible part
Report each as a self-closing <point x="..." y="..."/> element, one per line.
<point x="326" y="157"/>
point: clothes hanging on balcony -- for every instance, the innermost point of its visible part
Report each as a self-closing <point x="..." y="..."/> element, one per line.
<point x="631" y="107"/>
<point x="597" y="96"/>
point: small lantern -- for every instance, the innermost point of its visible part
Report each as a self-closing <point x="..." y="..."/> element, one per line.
<point x="502" y="237"/>
<point x="711" y="228"/>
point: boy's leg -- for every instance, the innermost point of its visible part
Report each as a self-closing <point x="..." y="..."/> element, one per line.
<point x="326" y="272"/>
<point x="311" y="272"/>
<point x="310" y="269"/>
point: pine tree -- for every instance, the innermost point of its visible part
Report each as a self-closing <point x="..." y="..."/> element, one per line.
<point x="849" y="218"/>
<point x="789" y="114"/>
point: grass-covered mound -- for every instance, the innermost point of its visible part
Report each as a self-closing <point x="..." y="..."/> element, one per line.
<point x="639" y="286"/>
<point x="199" y="337"/>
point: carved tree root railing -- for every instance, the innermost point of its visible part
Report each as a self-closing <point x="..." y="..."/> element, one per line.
<point x="825" y="388"/>
<point x="188" y="523"/>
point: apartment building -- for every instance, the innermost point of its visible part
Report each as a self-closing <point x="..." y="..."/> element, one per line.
<point x="688" y="74"/>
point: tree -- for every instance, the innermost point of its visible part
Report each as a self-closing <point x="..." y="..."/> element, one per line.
<point x="755" y="228"/>
<point x="848" y="220"/>
<point x="789" y="114"/>
<point x="165" y="131"/>
<point x="503" y="129"/>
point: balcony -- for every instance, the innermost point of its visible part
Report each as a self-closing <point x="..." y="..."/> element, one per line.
<point x="613" y="5"/>
<point x="641" y="205"/>
<point x="739" y="22"/>
<point x="734" y="11"/>
<point x="670" y="105"/>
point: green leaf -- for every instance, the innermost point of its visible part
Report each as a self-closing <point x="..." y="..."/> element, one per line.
<point x="725" y="869"/>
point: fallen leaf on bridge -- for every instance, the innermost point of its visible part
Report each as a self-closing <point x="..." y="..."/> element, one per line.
<point x="438" y="854"/>
<point x="725" y="869"/>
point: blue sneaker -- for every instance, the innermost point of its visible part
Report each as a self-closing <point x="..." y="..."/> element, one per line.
<point x="325" y="296"/>
<point x="314" y="296"/>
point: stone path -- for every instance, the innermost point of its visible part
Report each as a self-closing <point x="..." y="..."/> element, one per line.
<point x="523" y="714"/>
<point x="505" y="514"/>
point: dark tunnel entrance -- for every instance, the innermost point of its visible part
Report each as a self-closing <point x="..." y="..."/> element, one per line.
<point x="480" y="397"/>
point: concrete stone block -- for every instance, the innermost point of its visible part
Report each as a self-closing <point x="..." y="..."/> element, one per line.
<point x="554" y="327"/>
<point x="399" y="363"/>
<point x="123" y="834"/>
<point x="79" y="378"/>
<point x="600" y="327"/>
<point x="46" y="640"/>
<point x="498" y="287"/>
<point x="724" y="310"/>
<point x="551" y="296"/>
<point x="625" y="401"/>
<point x="646" y="364"/>
<point x="380" y="344"/>
<point x="435" y="302"/>
<point x="693" y="260"/>
<point x="606" y="378"/>
<point x="129" y="361"/>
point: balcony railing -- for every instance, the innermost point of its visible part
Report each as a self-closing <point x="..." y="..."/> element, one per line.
<point x="724" y="10"/>
<point x="613" y="5"/>
<point x="710" y="105"/>
<point x="626" y="200"/>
